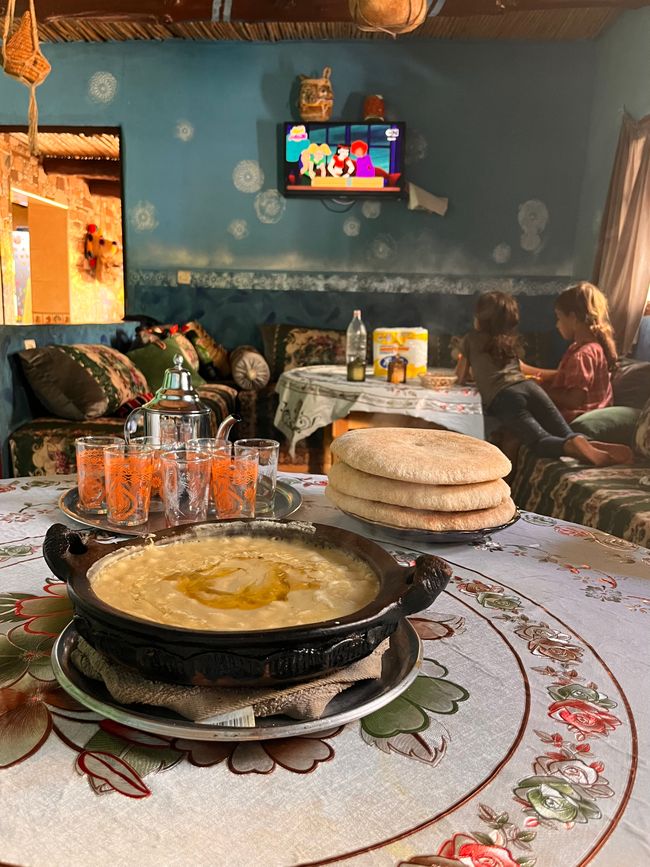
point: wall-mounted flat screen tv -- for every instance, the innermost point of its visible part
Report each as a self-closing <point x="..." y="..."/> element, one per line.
<point x="342" y="160"/>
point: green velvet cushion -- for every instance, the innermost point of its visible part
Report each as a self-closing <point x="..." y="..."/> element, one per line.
<point x="153" y="361"/>
<point x="642" y="434"/>
<point x="612" y="424"/>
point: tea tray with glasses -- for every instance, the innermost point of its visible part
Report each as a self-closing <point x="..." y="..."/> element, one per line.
<point x="286" y="501"/>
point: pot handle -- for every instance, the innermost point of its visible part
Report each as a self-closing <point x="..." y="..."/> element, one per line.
<point x="425" y="582"/>
<point x="67" y="551"/>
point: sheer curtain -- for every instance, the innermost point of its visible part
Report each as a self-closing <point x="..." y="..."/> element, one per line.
<point x="622" y="266"/>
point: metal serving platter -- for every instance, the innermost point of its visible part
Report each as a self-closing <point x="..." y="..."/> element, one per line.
<point x="287" y="501"/>
<point x="401" y="664"/>
<point x="435" y="537"/>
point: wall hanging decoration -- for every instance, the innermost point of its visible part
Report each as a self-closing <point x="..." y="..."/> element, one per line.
<point x="98" y="250"/>
<point x="22" y="59"/>
<point x="388" y="16"/>
<point x="316" y="96"/>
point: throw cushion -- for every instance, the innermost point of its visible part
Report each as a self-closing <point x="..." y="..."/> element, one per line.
<point x="642" y="435"/>
<point x="631" y="383"/>
<point x="290" y="346"/>
<point x="612" y="424"/>
<point x="213" y="357"/>
<point x="82" y="380"/>
<point x="249" y="368"/>
<point x="154" y="359"/>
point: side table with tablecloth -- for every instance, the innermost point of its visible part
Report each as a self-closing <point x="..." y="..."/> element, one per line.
<point x="314" y="397"/>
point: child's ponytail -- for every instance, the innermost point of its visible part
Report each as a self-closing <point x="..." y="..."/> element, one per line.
<point x="589" y="305"/>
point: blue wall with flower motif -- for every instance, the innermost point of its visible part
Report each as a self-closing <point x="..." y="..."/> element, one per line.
<point x="499" y="128"/>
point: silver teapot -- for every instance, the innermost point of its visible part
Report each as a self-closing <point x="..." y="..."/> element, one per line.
<point x="176" y="412"/>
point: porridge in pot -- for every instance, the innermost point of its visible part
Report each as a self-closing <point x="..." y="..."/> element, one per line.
<point x="235" y="583"/>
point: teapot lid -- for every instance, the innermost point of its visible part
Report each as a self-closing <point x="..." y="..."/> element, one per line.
<point x="177" y="394"/>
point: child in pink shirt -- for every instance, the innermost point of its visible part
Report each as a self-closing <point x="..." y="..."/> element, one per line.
<point x="582" y="381"/>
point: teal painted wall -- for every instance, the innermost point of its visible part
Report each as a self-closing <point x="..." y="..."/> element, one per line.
<point x="622" y="81"/>
<point x="491" y="126"/>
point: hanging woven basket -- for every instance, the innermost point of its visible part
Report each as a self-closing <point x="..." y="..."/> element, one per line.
<point x="388" y="16"/>
<point x="23" y="59"/>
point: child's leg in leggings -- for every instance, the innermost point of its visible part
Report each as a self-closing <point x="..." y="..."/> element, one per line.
<point x="515" y="406"/>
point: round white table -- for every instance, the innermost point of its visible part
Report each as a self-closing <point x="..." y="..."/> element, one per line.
<point x="525" y="740"/>
<point x="314" y="397"/>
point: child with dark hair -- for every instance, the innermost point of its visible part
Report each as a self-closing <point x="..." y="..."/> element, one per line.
<point x="492" y="351"/>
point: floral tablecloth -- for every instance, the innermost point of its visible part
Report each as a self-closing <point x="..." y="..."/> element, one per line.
<point x="313" y="397"/>
<point x="524" y="741"/>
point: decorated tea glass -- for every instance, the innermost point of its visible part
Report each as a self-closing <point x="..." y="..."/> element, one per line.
<point x="212" y="445"/>
<point x="156" y="503"/>
<point x="186" y="473"/>
<point x="267" y="470"/>
<point x="90" y="472"/>
<point x="234" y="483"/>
<point x="129" y="471"/>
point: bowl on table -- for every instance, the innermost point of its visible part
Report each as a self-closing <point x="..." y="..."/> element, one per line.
<point x="239" y="657"/>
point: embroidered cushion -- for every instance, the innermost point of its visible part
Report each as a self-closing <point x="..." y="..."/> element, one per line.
<point x="290" y="346"/>
<point x="213" y="357"/>
<point x="249" y="368"/>
<point x="81" y="381"/>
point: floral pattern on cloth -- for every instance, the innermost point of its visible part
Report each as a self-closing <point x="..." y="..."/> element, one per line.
<point x="117" y="376"/>
<point x="613" y="499"/>
<point x="554" y="792"/>
<point x="288" y="346"/>
<point x="46" y="446"/>
<point x="642" y="433"/>
<point x="212" y="356"/>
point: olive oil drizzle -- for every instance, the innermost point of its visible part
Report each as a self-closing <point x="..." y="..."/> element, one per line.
<point x="275" y="586"/>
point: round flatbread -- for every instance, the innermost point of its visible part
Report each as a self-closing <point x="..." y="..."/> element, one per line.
<point x="436" y="498"/>
<point x="428" y="457"/>
<point x="419" y="519"/>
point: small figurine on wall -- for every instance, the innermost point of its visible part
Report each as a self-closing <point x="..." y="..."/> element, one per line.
<point x="316" y="96"/>
<point x="98" y="250"/>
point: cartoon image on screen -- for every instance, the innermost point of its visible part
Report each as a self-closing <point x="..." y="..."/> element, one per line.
<point x="343" y="158"/>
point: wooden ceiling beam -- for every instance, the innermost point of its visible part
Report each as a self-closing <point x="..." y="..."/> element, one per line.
<point x="281" y="11"/>
<point x="99" y="170"/>
<point x="105" y="188"/>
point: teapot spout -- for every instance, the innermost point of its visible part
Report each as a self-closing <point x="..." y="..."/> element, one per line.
<point x="226" y="425"/>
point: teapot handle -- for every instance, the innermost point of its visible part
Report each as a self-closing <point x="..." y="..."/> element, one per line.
<point x="131" y="423"/>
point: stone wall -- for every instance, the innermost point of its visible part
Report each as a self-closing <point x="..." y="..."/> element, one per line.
<point x="91" y="299"/>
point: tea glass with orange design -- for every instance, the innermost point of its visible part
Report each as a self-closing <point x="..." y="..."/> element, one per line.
<point x="90" y="472"/>
<point x="129" y="472"/>
<point x="234" y="483"/>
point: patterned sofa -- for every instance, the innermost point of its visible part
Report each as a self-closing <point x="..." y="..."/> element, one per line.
<point x="613" y="499"/>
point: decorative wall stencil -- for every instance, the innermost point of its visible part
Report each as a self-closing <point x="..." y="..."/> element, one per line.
<point x="248" y="177"/>
<point x="383" y="247"/>
<point x="269" y="206"/>
<point x="501" y="253"/>
<point x="371" y="209"/>
<point x="369" y="281"/>
<point x="142" y="217"/>
<point x="184" y="130"/>
<point x="102" y="87"/>
<point x="416" y="147"/>
<point x="352" y="227"/>
<point x="533" y="218"/>
<point x="238" y="229"/>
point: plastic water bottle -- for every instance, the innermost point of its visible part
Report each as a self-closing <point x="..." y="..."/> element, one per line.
<point x="356" y="345"/>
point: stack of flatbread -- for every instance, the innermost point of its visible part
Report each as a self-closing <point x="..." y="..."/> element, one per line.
<point x="420" y="479"/>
